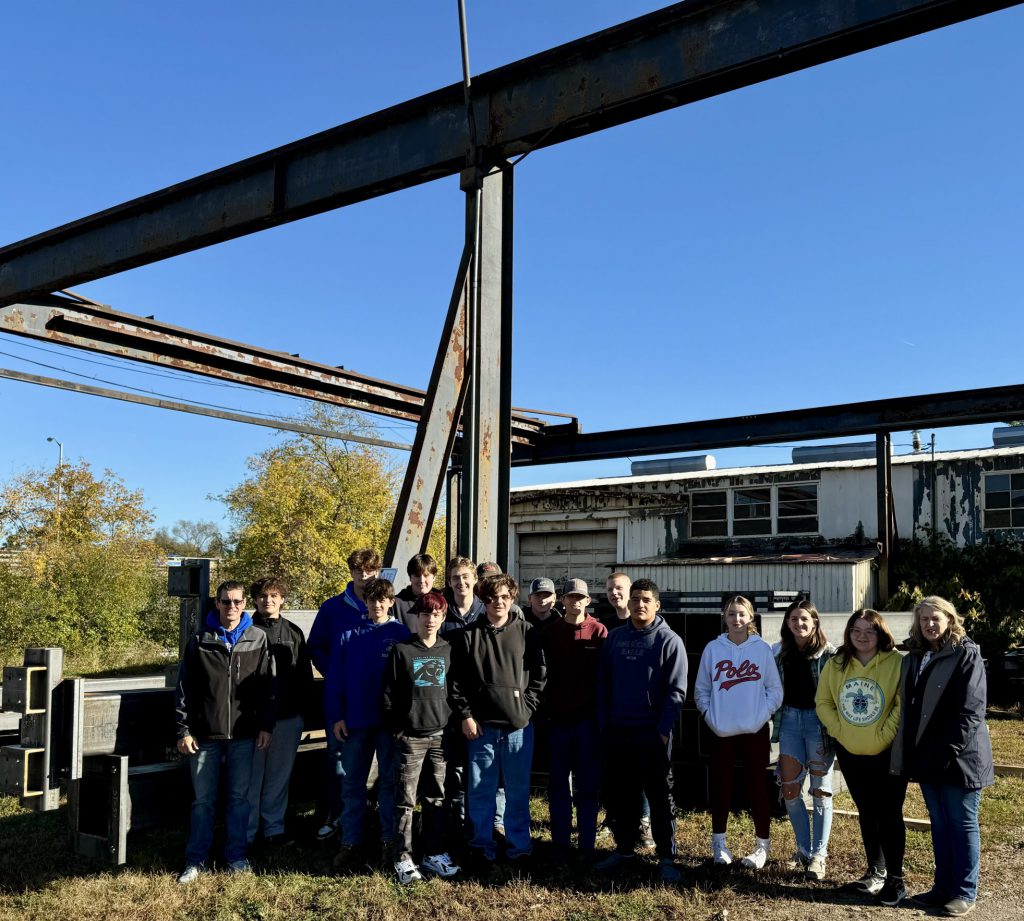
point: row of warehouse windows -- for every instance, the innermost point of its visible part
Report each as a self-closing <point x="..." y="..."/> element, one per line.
<point x="755" y="511"/>
<point x="1004" y="500"/>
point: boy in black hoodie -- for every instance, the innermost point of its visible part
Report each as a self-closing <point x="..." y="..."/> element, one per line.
<point x="415" y="707"/>
<point x="497" y="679"/>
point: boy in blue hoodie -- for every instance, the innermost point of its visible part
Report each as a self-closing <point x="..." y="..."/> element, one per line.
<point x="641" y="686"/>
<point x="352" y="705"/>
<point x="225" y="710"/>
<point x="336" y="615"/>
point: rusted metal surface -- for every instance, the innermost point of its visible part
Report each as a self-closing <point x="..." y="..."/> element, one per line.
<point x="678" y="55"/>
<point x="435" y="435"/>
<point x="97" y="328"/>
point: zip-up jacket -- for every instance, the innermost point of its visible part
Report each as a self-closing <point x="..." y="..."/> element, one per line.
<point x="454" y="621"/>
<point x="225" y="693"/>
<point x="572" y="653"/>
<point x="404" y="602"/>
<point x="817" y="663"/>
<point x="292" y="669"/>
<point x="498" y="673"/>
<point x="336" y="615"/>
<point x="415" y="701"/>
<point x="859" y="704"/>
<point x="641" y="678"/>
<point x="942" y="737"/>
<point x="355" y="677"/>
<point x="738" y="686"/>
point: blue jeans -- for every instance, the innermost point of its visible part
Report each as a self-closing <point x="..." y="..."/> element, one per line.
<point x="505" y="754"/>
<point x="800" y="737"/>
<point x="205" y="766"/>
<point x="574" y="752"/>
<point x="271" y="773"/>
<point x="335" y="773"/>
<point x="357" y="757"/>
<point x="956" y="839"/>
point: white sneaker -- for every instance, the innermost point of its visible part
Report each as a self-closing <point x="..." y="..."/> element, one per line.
<point x="190" y="874"/>
<point x="406" y="871"/>
<point x="440" y="865"/>
<point x="816" y="867"/>
<point x="721" y="854"/>
<point x="758" y="857"/>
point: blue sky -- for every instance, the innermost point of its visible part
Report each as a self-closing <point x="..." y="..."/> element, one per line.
<point x="849" y="232"/>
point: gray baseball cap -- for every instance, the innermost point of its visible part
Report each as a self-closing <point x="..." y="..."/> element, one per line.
<point x="542" y="585"/>
<point x="575" y="587"/>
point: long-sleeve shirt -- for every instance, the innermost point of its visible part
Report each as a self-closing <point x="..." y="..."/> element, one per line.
<point x="738" y="686"/>
<point x="415" y="698"/>
<point x="859" y="704"/>
<point x="642" y="677"/>
<point x="572" y="653"/>
<point x="335" y="615"/>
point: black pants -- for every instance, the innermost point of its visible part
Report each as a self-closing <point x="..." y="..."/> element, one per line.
<point x="412" y="756"/>
<point x="879" y="798"/>
<point x="637" y="762"/>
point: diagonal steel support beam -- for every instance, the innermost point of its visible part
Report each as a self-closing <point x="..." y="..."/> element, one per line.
<point x="675" y="56"/>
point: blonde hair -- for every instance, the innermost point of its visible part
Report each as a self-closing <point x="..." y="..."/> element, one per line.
<point x="744" y="603"/>
<point x="954" y="632"/>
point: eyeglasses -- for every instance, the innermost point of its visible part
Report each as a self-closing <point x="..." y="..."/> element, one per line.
<point x="871" y="632"/>
<point x="232" y="602"/>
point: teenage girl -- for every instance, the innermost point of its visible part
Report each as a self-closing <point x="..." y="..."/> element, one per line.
<point x="737" y="690"/>
<point x="858" y="703"/>
<point x="805" y="748"/>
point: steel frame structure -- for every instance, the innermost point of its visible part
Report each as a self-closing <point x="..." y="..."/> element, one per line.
<point x="672" y="57"/>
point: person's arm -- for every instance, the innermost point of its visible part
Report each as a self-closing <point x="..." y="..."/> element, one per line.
<point x="824" y="701"/>
<point x="972" y="686"/>
<point x="334" y="686"/>
<point x="186" y="743"/>
<point x="535" y="667"/>
<point x="702" y="686"/>
<point x="772" y="685"/>
<point x="673" y="681"/>
<point x="269" y="693"/>
<point x="319" y="642"/>
<point x="604" y="683"/>
<point x="393" y="701"/>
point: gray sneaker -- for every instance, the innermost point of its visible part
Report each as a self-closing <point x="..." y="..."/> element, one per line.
<point x="870" y="883"/>
<point x="646" y="838"/>
<point x="816" y="868"/>
<point x="190" y="874"/>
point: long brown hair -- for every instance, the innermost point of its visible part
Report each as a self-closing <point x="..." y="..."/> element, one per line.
<point x="886" y="641"/>
<point x="817" y="641"/>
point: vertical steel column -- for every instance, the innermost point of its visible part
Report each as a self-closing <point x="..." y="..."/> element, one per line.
<point x="492" y="343"/>
<point x="470" y="413"/>
<point x="883" y="444"/>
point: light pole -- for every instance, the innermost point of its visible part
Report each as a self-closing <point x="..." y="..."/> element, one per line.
<point x="60" y="466"/>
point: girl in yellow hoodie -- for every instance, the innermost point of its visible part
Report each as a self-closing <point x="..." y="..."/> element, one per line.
<point x="858" y="704"/>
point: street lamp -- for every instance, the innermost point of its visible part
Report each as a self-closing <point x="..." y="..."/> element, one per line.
<point x="60" y="466"/>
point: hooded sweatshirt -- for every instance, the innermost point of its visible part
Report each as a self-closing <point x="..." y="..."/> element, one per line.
<point x="641" y="679"/>
<point x="738" y="686"/>
<point x="415" y="700"/>
<point x="336" y="615"/>
<point x="859" y="704"/>
<point x="355" y="677"/>
<point x="498" y="673"/>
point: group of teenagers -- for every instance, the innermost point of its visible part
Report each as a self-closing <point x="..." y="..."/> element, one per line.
<point x="448" y="688"/>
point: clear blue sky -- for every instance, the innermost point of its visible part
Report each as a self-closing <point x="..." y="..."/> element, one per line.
<point x="848" y="232"/>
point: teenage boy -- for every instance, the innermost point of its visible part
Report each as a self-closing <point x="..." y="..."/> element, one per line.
<point x="572" y="646"/>
<point x="497" y="680"/>
<point x="352" y="702"/>
<point x="640" y="691"/>
<point x="463" y="605"/>
<point x="617" y="592"/>
<point x="272" y="767"/>
<point x="542" y="611"/>
<point x="335" y="616"/>
<point x="422" y="571"/>
<point x="415" y="708"/>
<point x="225" y="710"/>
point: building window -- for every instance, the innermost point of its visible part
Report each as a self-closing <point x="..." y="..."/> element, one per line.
<point x="798" y="509"/>
<point x="1004" y="500"/>
<point x="709" y="514"/>
<point x="758" y="511"/>
<point x="752" y="511"/>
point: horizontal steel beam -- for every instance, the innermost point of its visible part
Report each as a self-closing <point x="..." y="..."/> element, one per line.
<point x="934" y="410"/>
<point x="678" y="55"/>
<point x="97" y="328"/>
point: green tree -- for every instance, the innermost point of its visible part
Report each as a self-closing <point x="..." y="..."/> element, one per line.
<point x="191" y="538"/>
<point x="80" y="571"/>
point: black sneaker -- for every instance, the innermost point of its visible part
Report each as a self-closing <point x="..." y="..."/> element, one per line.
<point x="870" y="883"/>
<point x="893" y="892"/>
<point x="930" y="899"/>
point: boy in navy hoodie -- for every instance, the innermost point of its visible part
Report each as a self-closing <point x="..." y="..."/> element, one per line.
<point x="641" y="687"/>
<point x="415" y="708"/>
<point x="352" y="705"/>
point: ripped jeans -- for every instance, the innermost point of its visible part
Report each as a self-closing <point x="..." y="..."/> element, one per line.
<point x="802" y="752"/>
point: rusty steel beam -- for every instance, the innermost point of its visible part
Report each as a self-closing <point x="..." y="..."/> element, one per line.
<point x="561" y="444"/>
<point x="425" y="477"/>
<point x="672" y="57"/>
<point x="95" y="327"/>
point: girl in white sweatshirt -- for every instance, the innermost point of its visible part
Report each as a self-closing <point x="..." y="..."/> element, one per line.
<point x="737" y="690"/>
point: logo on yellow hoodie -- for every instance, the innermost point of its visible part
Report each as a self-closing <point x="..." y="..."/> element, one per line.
<point x="861" y="701"/>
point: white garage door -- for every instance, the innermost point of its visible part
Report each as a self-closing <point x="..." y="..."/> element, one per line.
<point x="561" y="555"/>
